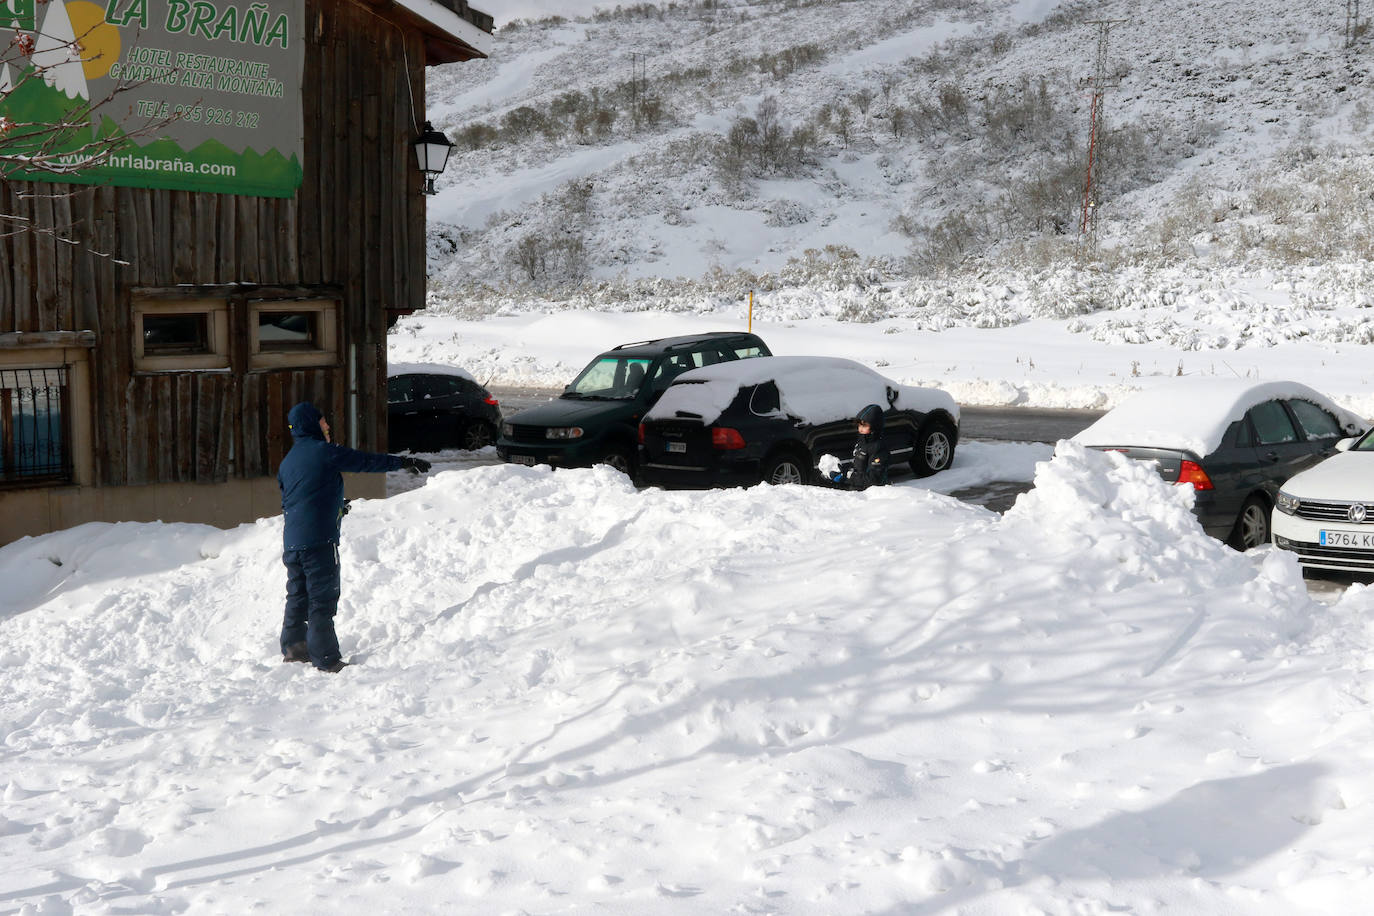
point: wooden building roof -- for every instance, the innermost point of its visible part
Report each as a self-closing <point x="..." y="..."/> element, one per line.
<point x="453" y="30"/>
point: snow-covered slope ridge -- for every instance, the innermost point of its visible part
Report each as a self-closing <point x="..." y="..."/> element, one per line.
<point x="917" y="133"/>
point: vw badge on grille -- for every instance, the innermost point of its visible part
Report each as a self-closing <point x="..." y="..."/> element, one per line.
<point x="1356" y="513"/>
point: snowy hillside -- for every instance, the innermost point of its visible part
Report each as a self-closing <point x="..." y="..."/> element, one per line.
<point x="572" y="697"/>
<point x="918" y="135"/>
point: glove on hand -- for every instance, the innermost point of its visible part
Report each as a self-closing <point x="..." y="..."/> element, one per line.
<point x="836" y="477"/>
<point x="415" y="465"/>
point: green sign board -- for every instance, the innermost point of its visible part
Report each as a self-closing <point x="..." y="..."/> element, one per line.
<point x="205" y="93"/>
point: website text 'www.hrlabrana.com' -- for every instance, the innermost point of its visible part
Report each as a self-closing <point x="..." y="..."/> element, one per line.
<point x="150" y="164"/>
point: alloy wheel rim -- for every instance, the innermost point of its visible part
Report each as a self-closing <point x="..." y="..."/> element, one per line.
<point x="786" y="472"/>
<point x="477" y="437"/>
<point x="1254" y="531"/>
<point x="937" y="451"/>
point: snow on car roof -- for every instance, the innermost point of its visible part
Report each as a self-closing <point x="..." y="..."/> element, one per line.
<point x="816" y="389"/>
<point x="394" y="369"/>
<point x="1193" y="415"/>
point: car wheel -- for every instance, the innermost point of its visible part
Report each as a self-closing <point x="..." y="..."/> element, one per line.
<point x="479" y="434"/>
<point x="933" y="450"/>
<point x="620" y="460"/>
<point x="1252" y="525"/>
<point x="785" y="468"/>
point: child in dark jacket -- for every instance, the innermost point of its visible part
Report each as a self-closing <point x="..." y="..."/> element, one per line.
<point x="869" y="468"/>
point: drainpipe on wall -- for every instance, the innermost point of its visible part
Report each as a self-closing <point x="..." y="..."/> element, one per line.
<point x="353" y="395"/>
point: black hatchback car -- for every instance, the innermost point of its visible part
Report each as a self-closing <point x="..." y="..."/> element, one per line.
<point x="596" y="419"/>
<point x="434" y="407"/>
<point x="1235" y="441"/>
<point x="772" y="420"/>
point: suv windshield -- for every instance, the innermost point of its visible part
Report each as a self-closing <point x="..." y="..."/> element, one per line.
<point x="612" y="378"/>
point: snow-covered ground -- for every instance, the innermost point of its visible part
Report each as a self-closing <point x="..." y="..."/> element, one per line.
<point x="571" y="696"/>
<point x="1092" y="361"/>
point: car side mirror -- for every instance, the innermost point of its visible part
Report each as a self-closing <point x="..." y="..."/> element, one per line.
<point x="1344" y="444"/>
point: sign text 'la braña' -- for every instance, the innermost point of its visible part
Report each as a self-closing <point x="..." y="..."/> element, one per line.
<point x="225" y="77"/>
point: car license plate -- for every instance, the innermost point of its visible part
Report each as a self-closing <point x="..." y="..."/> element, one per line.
<point x="527" y="460"/>
<point x="1362" y="540"/>
<point x="677" y="446"/>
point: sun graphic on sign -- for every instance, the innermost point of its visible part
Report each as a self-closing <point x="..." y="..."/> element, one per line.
<point x="98" y="40"/>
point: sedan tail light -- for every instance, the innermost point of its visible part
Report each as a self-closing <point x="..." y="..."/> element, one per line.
<point x="725" y="438"/>
<point x="492" y="401"/>
<point x="1192" y="472"/>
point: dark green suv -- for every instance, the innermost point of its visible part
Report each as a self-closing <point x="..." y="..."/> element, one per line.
<point x="596" y="419"/>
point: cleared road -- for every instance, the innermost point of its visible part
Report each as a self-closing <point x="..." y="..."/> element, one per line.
<point x="1001" y="424"/>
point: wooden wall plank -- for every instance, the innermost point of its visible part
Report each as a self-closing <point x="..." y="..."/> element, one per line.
<point x="63" y="317"/>
<point x="44" y="260"/>
<point x="180" y="234"/>
<point x="227" y="268"/>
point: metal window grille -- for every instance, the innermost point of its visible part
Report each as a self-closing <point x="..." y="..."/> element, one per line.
<point x="35" y="446"/>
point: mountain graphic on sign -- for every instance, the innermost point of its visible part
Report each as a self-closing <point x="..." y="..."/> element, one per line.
<point x="58" y="56"/>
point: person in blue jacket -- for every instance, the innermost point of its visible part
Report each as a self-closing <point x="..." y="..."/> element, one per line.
<point x="312" y="497"/>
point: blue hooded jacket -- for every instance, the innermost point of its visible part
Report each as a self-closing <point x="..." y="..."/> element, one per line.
<point x="311" y="480"/>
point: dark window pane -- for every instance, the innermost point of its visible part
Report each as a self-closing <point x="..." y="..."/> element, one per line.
<point x="398" y="389"/>
<point x="766" y="399"/>
<point x="1239" y="434"/>
<point x="172" y="334"/>
<point x="1315" y="422"/>
<point x="1272" y="425"/>
<point x="33" y="434"/>
<point x="288" y="330"/>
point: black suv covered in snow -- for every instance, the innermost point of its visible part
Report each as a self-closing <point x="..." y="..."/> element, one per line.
<point x="772" y="420"/>
<point x="596" y="419"/>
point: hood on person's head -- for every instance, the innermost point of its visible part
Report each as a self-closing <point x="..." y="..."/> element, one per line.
<point x="304" y="421"/>
<point x="873" y="416"/>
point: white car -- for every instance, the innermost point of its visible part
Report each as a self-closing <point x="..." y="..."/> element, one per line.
<point x="1326" y="514"/>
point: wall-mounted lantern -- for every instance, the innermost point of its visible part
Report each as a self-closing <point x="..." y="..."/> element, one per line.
<point x="432" y="149"/>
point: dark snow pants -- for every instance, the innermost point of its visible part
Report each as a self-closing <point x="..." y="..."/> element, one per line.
<point x="312" y="597"/>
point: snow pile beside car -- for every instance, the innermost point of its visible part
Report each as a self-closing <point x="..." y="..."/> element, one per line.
<point x="574" y="696"/>
<point x="814" y="389"/>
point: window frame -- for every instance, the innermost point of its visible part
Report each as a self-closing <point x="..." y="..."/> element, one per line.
<point x="216" y="357"/>
<point x="325" y="353"/>
<point x="69" y="352"/>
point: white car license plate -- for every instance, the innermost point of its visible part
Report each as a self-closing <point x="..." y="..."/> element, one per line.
<point x="677" y="446"/>
<point x="1363" y="540"/>
<point x="527" y="460"/>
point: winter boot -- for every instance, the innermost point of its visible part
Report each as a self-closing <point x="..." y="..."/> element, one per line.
<point x="334" y="668"/>
<point x="296" y="652"/>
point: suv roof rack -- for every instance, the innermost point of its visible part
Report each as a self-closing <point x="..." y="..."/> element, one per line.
<point x="682" y="340"/>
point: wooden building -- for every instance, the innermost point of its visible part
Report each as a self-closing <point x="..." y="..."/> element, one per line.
<point x="152" y="340"/>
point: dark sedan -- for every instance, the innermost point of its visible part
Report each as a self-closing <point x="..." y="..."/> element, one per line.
<point x="1235" y="442"/>
<point x="772" y="419"/>
<point x="434" y="407"/>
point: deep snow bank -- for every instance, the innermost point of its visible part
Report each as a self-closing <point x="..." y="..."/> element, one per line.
<point x="572" y="695"/>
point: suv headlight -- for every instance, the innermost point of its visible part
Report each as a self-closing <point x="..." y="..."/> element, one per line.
<point x="508" y="430"/>
<point x="1287" y="503"/>
<point x="563" y="432"/>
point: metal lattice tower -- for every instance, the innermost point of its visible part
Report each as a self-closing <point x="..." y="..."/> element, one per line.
<point x="1098" y="84"/>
